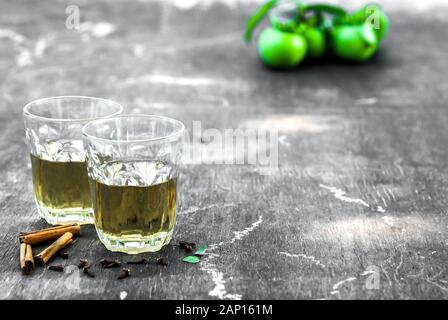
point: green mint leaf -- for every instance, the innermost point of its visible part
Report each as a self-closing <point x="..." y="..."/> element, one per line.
<point x="200" y="251"/>
<point x="191" y="259"/>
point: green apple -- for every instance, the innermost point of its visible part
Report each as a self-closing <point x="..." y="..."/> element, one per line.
<point x="279" y="49"/>
<point x="354" y="42"/>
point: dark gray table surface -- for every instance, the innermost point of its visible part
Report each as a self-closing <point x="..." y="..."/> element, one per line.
<point x="362" y="185"/>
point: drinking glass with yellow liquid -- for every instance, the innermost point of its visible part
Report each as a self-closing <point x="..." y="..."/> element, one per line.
<point x="53" y="130"/>
<point x="133" y="167"/>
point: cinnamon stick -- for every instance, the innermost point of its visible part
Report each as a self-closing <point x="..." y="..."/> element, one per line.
<point x="26" y="258"/>
<point x="59" y="244"/>
<point x="39" y="236"/>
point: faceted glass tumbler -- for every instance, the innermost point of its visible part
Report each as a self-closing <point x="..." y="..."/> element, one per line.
<point x="53" y="128"/>
<point x="133" y="167"/>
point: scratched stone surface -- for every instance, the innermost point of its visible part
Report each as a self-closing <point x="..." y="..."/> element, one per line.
<point x="357" y="207"/>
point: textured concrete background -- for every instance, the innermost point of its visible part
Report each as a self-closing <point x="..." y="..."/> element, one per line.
<point x="362" y="184"/>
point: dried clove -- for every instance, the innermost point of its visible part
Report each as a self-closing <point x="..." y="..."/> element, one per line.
<point x="58" y="268"/>
<point x="107" y="264"/>
<point x="87" y="271"/>
<point x="162" y="262"/>
<point x="142" y="261"/>
<point x="125" y="273"/>
<point x="188" y="246"/>
<point x="63" y="255"/>
<point x="83" y="263"/>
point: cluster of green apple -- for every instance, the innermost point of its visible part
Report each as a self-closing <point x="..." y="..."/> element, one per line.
<point x="298" y="31"/>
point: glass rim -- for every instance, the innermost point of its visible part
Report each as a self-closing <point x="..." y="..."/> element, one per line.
<point x="170" y="136"/>
<point x="29" y="114"/>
